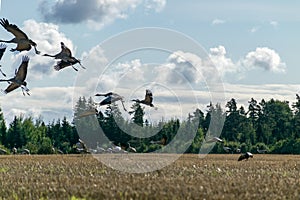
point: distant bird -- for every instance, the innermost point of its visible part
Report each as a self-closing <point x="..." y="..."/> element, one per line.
<point x="26" y="151"/>
<point x="261" y="150"/>
<point x="237" y="150"/>
<point x="19" y="79"/>
<point x="81" y="147"/>
<point x="21" y="39"/>
<point x="2" y="50"/>
<point x="162" y="141"/>
<point x="148" y="99"/>
<point x="214" y="139"/>
<point x="3" y="151"/>
<point x="66" y="58"/>
<point x="116" y="149"/>
<point x="14" y="150"/>
<point x="100" y="149"/>
<point x="130" y="148"/>
<point x="111" y="97"/>
<point x="245" y="156"/>
<point x="227" y="149"/>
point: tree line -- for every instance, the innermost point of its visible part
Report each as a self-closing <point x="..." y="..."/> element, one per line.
<point x="271" y="125"/>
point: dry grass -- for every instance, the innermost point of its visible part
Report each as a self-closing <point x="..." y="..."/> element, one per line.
<point x="213" y="177"/>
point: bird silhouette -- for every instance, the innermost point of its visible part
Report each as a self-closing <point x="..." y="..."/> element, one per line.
<point x="64" y="54"/>
<point x="81" y="147"/>
<point x="21" y="39"/>
<point x="227" y="149"/>
<point x="215" y="139"/>
<point x="70" y="62"/>
<point x="130" y="148"/>
<point x="19" y="79"/>
<point x="245" y="156"/>
<point x="2" y="50"/>
<point x="148" y="99"/>
<point x="66" y="58"/>
<point x="111" y="97"/>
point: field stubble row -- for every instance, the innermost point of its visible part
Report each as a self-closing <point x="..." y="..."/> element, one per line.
<point x="190" y="177"/>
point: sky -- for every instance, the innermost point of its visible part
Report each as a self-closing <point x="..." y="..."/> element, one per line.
<point x="187" y="52"/>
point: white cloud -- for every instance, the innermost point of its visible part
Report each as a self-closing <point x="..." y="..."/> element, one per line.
<point x="254" y="29"/>
<point x="49" y="102"/>
<point x="97" y="13"/>
<point x="218" y="21"/>
<point x="265" y="58"/>
<point x="274" y="24"/>
<point x="156" y="5"/>
<point x="222" y="63"/>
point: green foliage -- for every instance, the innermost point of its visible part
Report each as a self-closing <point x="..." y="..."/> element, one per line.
<point x="271" y="125"/>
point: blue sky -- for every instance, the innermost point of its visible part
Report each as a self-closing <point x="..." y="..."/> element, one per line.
<point x="253" y="44"/>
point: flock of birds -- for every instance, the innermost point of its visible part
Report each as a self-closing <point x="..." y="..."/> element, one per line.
<point x="243" y="156"/>
<point x="112" y="97"/>
<point x="81" y="147"/>
<point x="24" y="43"/>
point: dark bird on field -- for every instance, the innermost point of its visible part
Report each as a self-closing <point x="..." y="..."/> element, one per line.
<point x="148" y="99"/>
<point x="245" y="156"/>
<point x="111" y="97"/>
<point x="19" y="79"/>
<point x="21" y="39"/>
<point x="66" y="58"/>
<point x="261" y="150"/>
<point x="2" y="50"/>
<point x="162" y="141"/>
<point x="214" y="139"/>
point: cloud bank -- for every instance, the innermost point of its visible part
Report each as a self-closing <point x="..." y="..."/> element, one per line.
<point x="96" y="13"/>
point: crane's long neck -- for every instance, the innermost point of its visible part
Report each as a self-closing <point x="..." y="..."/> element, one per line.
<point x="7" y="41"/>
<point x="8" y="80"/>
<point x="49" y="55"/>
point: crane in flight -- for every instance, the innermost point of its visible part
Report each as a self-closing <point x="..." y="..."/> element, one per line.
<point x="111" y="97"/>
<point x="66" y="58"/>
<point x="147" y="100"/>
<point x="19" y="79"/>
<point x="21" y="39"/>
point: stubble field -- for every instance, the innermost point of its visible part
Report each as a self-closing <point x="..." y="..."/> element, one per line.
<point x="190" y="177"/>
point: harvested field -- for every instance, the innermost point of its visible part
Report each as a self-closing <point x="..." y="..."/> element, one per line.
<point x="190" y="177"/>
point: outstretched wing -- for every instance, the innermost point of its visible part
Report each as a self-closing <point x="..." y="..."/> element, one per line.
<point x="11" y="87"/>
<point x="107" y="100"/>
<point x="22" y="71"/>
<point x="148" y="97"/>
<point x="2" y="50"/>
<point x="106" y="95"/>
<point x="13" y="29"/>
